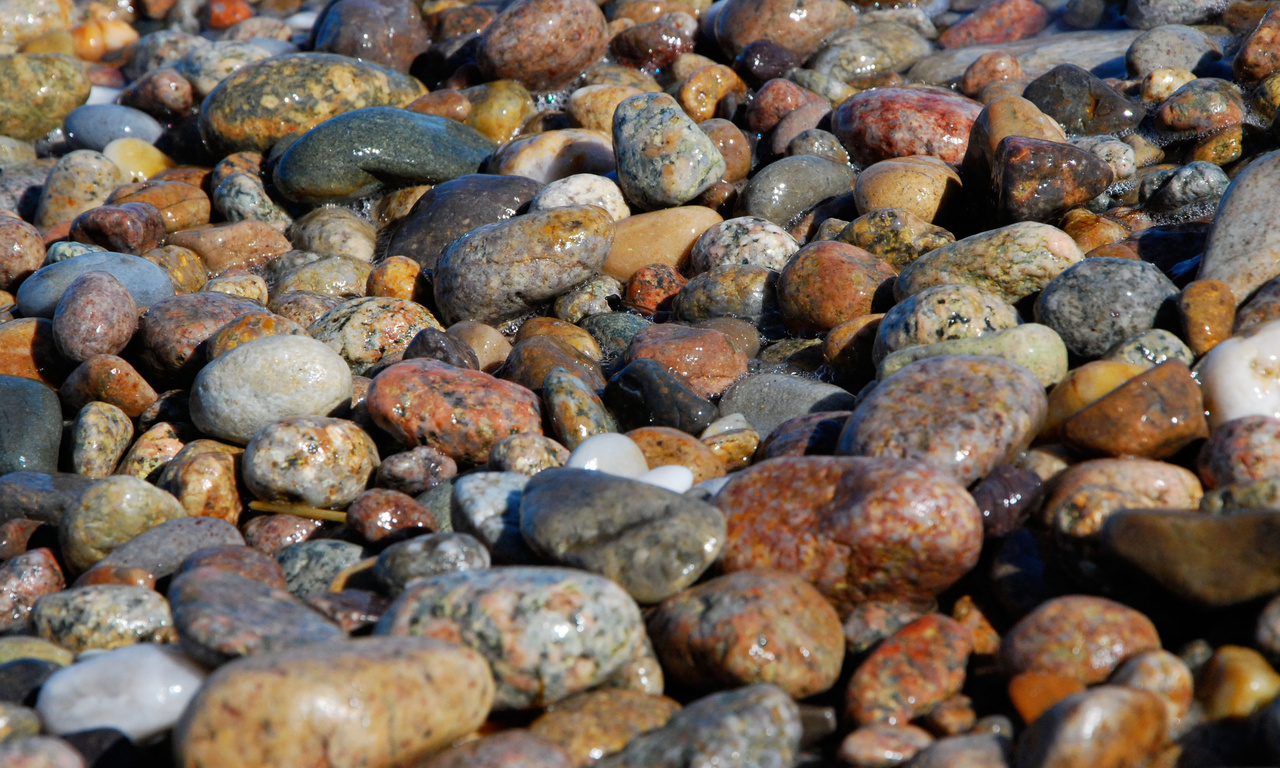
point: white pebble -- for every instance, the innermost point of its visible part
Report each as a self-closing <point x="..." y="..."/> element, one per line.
<point x="303" y="22"/>
<point x="140" y="690"/>
<point x="101" y="94"/>
<point x="673" y="477"/>
<point x="1241" y="376"/>
<point x="612" y="453"/>
<point x="582" y="189"/>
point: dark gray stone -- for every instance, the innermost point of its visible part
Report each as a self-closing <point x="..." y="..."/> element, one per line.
<point x="769" y="399"/>
<point x="30" y="426"/>
<point x="1099" y="302"/>
<point x="311" y="566"/>
<point x="646" y="394"/>
<point x="784" y="189"/>
<point x="39" y="496"/>
<point x="425" y="556"/>
<point x="162" y="549"/>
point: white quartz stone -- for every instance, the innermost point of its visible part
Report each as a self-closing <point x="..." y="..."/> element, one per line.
<point x="140" y="690"/>
<point x="613" y="453"/>
<point x="1241" y="376"/>
<point x="582" y="189"/>
<point x="673" y="477"/>
<point x="730" y="423"/>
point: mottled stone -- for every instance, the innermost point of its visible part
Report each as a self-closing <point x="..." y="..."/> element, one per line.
<point x="312" y="460"/>
<point x="396" y="700"/>
<point x="110" y="513"/>
<point x="651" y="541"/>
<point x="786" y="188"/>
<point x="704" y="357"/>
<point x="1037" y="348"/>
<point x="526" y="609"/>
<point x="542" y="43"/>
<point x="514" y="748"/>
<point x="645" y="393"/>
<point x="311" y="566"/>
<point x="863" y="51"/>
<point x="805" y="292"/>
<point x="263" y="102"/>
<point x="1101" y="301"/>
<point x="96" y="315"/>
<point x="1082" y="103"/>
<point x="1108" y="724"/>
<point x="24" y="579"/>
<point x="458" y="412"/>
<point x="1242" y="250"/>
<point x="1152" y="416"/>
<point x="892" y="122"/>
<point x="1080" y="637"/>
<point x="595" y="724"/>
<point x="910" y="673"/>
<point x="39" y="90"/>
<point x="859" y="541"/>
<point x="663" y="159"/>
<point x="365" y="331"/>
<point x="795" y="26"/>
<point x="103" y="616"/>
<point x="942" y="313"/>
<point x="1041" y="180"/>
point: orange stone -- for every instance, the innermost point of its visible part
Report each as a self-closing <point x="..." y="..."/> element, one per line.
<point x="27" y="349"/>
<point x="181" y="204"/>
<point x="394" y="278"/>
<point x="1208" y="311"/>
<point x="1033" y="693"/>
<point x="663" y="446"/>
<point x="246" y="244"/>
<point x="658" y="237"/>
<point x="116" y="574"/>
<point x="1151" y="416"/>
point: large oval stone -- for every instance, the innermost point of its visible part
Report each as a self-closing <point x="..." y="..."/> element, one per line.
<point x="895" y="122"/>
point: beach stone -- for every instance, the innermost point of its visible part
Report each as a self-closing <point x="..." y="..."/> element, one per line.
<point x="29" y="350"/>
<point x="1082" y="103"/>
<point x="24" y="579"/>
<point x="133" y="228"/>
<point x="99" y="438"/>
<point x="1035" y="347"/>
<point x="645" y="393"/>
<point x="527" y="454"/>
<point x="81" y="180"/>
<point x="889" y="422"/>
<point x="23" y="253"/>
<point x="95" y="315"/>
<point x="1238" y="252"/>
<point x="515" y="748"/>
<point x="138" y="690"/>
<point x="416" y="470"/>
<point x="1237" y="682"/>
<point x="264" y="101"/>
<point x="742" y="22"/>
<point x="109" y="514"/>
<point x="39" y="294"/>
<point x="996" y="21"/>
<point x="1256" y="58"/>
<point x="1085" y="495"/>
<point x="758" y="725"/>
<point x="1135" y="729"/>
<point x="663" y="159"/>
<point x="440" y="691"/>
<point x="366" y="331"/>
<point x="652" y="542"/>
<point x="242" y="197"/>
<point x="552" y="155"/>
<point x="41" y="752"/>
<point x="240" y="559"/>
<point x="162" y="549"/>
<point x="807" y="308"/>
<point x="1153" y="416"/>
<point x="883" y="746"/>
<point x="1077" y="636"/>
<point x="271" y="534"/>
<point x="247" y="244"/>
<point x="94" y="126"/>
<point x="220" y="615"/>
<point x="1101" y="301"/>
<point x="1171" y="46"/>
<point x="813" y="434"/>
<point x="942" y="313"/>
<point x="599" y="723"/>
<point x="334" y="232"/>
<point x="249" y="328"/>
<point x="767" y="400"/>
<point x="425" y="556"/>
<point x="261" y="382"/>
<point x="1201" y="105"/>
<point x="207" y="65"/>
<point x="704" y="357"/>
<point x="910" y="673"/>
<point x="1040" y="180"/>
<point x="313" y="460"/>
<point x="103" y="616"/>
<point x="311" y="566"/>
<point x="1233" y="385"/>
<point x="658" y="237"/>
<point x="582" y="189"/>
<point x="745" y="240"/>
<point x="486" y="505"/>
<point x="532" y="359"/>
<point x="380" y="515"/>
<point x="896" y="235"/>
<point x="574" y="30"/>
<point x="377" y="32"/>
<point x="458" y="412"/>
<point x="861" y="51"/>
<point x="454" y="208"/>
<point x="39" y="91"/>
<point x="1083" y="386"/>
<point x="1240" y="451"/>
<point x="526" y="606"/>
<point x="737" y="291"/>
<point x="886" y="123"/>
<point x="30" y="428"/>
<point x="1151" y="348"/>
<point x="699" y="634"/>
<point x="846" y="499"/>
<point x="1150" y="14"/>
<point x="535" y="257"/>
<point x="427" y="150"/>
<point x="786" y="188"/>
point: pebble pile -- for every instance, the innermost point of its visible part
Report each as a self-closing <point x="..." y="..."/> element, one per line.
<point x="639" y="383"/>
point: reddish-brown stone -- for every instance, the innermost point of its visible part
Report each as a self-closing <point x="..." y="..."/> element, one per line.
<point x="704" y="357"/>
<point x="111" y="380"/>
<point x="244" y="560"/>
<point x="1077" y="636"/>
<point x="896" y="122"/>
<point x="173" y="329"/>
<point x="651" y="289"/>
<point x="909" y="674"/>
<point x="775" y="100"/>
<point x="125" y="228"/>
<point x="95" y="316"/>
<point x="826" y="283"/>
<point x="1151" y="416"/>
<point x="381" y="514"/>
<point x="996" y="21"/>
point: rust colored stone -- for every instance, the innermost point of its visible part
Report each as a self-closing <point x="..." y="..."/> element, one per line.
<point x="1151" y="416"/>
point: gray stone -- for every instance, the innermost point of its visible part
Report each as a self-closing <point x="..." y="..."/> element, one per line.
<point x="613" y="331"/>
<point x="39" y="294"/>
<point x="162" y="549"/>
<point x="1171" y="46"/>
<point x="264" y="381"/>
<point x="30" y="426"/>
<point x="486" y="505"/>
<point x="311" y="566"/>
<point x="221" y="615"/>
<point x="987" y="750"/>
<point x="769" y="399"/>
<point x="360" y="152"/>
<point x="1150" y="14"/>
<point x="663" y="158"/>
<point x="1243" y="249"/>
<point x="501" y="271"/>
<point x="737" y="290"/>
<point x="94" y="126"/>
<point x="427" y="556"/>
<point x="757" y="727"/>
<point x="1101" y="52"/>
<point x="547" y="633"/>
<point x="37" y="495"/>
<point x="941" y="313"/>
<point x="1151" y="348"/>
<point x="650" y="540"/>
<point x="877" y="48"/>
<point x="784" y="189"/>
<point x="1197" y="183"/>
<point x="1099" y="302"/>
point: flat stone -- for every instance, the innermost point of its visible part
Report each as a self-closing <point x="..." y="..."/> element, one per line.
<point x="1100" y="50"/>
<point x="162" y="549"/>
<point x="147" y="284"/>
<point x="1243" y="250"/>
<point x="769" y="399"/>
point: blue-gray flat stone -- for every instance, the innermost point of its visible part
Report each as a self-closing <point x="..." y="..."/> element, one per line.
<point x="94" y="126"/>
<point x="39" y="294"/>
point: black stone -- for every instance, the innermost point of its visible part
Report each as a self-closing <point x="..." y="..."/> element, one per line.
<point x="106" y="748"/>
<point x="764" y="60"/>
<point x="438" y="345"/>
<point x="1006" y="497"/>
<point x="1082" y="102"/>
<point x="451" y="210"/>
<point x="20" y="679"/>
<point x="646" y="394"/>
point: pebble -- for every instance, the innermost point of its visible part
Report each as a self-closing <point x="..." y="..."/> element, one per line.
<point x="486" y="505"/>
<point x="140" y="690"/>
<point x="592" y="624"/>
<point x="894" y="122"/>
<point x="663" y="159"/>
<point x="147" y="284"/>
<point x="263" y="381"/>
<point x="703" y="356"/>
<point x="109" y="514"/>
<point x="39" y="91"/>
<point x="1084" y="638"/>
<point x="426" y="556"/>
<point x="649" y="540"/>
<point x="767" y="400"/>
<point x="30" y="428"/>
<point x="103" y="616"/>
<point x="1109" y="723"/>
<point x="441" y="692"/>
<point x="895" y="555"/>
<point x="366" y="331"/>
<point x="911" y="672"/>
<point x="96" y="315"/>
<point x="574" y="30"/>
<point x="1037" y="348"/>
<point x="594" y="724"/>
<point x="94" y="126"/>
<point x="161" y="550"/>
<point x="784" y="189"/>
<point x="312" y="460"/>
<point x="1099" y="302"/>
<point x="311" y="566"/>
